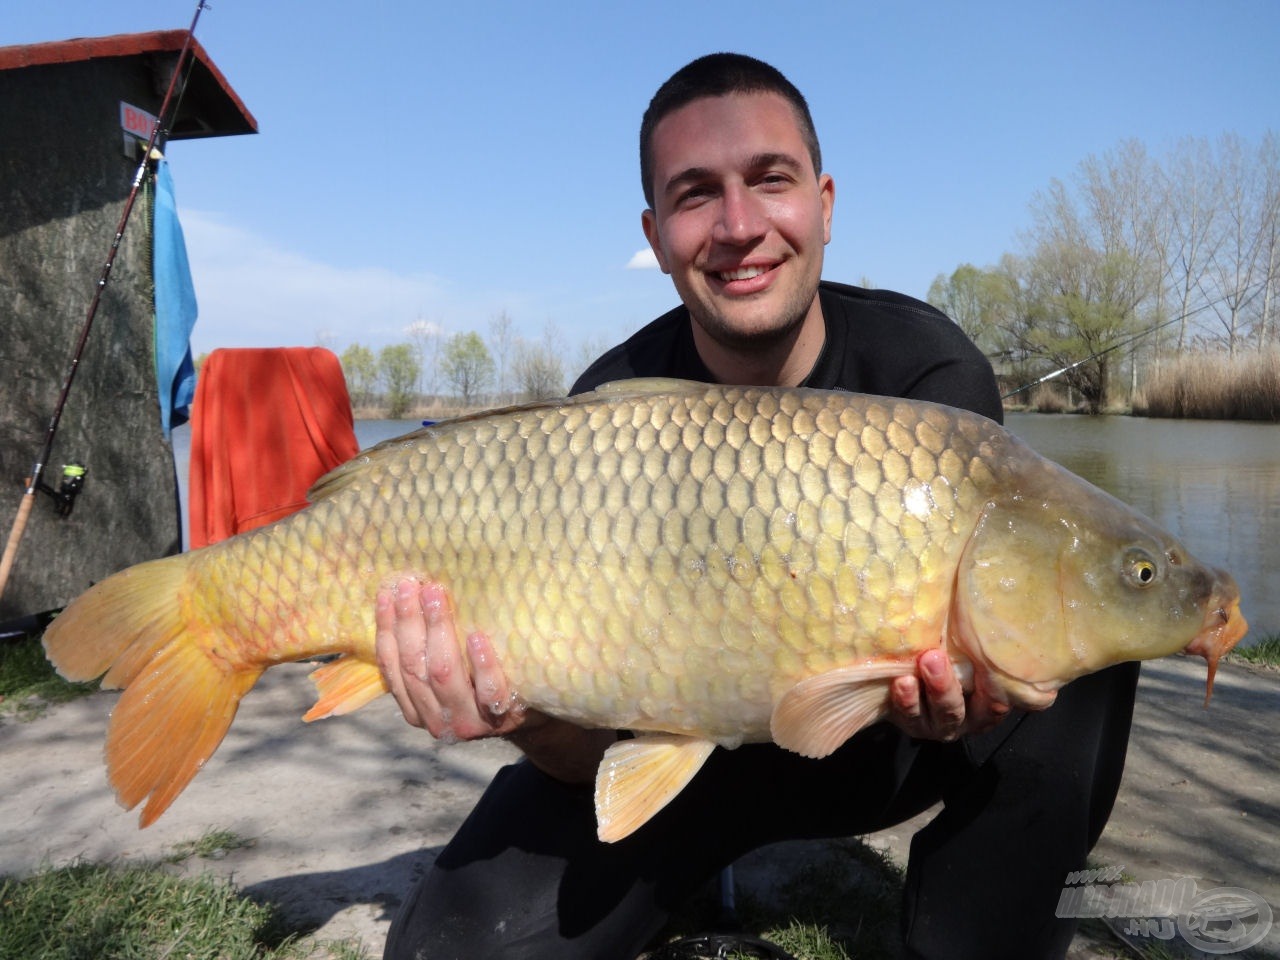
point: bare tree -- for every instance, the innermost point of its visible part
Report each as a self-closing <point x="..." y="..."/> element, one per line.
<point x="1191" y="191"/>
<point x="1269" y="228"/>
<point x="424" y="336"/>
<point x="501" y="337"/>
<point x="539" y="368"/>
<point x="1236" y="268"/>
<point x="589" y="350"/>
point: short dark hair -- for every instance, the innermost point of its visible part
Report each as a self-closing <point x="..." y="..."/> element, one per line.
<point x="717" y="75"/>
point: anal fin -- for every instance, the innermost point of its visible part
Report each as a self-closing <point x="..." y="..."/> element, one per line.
<point x="639" y="777"/>
<point x="344" y="685"/>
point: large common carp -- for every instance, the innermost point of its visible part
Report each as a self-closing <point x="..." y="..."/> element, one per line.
<point x="704" y="565"/>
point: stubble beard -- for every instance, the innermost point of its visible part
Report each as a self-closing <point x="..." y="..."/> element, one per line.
<point x="759" y="338"/>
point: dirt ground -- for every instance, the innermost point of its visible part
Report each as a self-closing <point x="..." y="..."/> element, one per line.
<point x="343" y="814"/>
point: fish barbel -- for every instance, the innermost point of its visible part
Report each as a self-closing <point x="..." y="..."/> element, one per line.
<point x="703" y="565"/>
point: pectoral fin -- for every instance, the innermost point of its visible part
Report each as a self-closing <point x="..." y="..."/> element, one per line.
<point x="820" y="713"/>
<point x="639" y="777"/>
<point x="344" y="685"/>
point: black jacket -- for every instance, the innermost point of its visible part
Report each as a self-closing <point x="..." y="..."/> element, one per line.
<point x="877" y="342"/>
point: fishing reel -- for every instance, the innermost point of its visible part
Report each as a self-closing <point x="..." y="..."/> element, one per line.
<point x="69" y="487"/>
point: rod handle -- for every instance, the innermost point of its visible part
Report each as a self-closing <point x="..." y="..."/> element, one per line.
<point x="15" y="536"/>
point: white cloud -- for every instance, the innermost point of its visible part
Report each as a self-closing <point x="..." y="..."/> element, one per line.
<point x="421" y="327"/>
<point x="643" y="260"/>
<point x="253" y="293"/>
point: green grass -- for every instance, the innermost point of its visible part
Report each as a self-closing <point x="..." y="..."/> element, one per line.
<point x="842" y="903"/>
<point x="139" y="912"/>
<point x="213" y="845"/>
<point x="28" y="682"/>
<point x="1265" y="652"/>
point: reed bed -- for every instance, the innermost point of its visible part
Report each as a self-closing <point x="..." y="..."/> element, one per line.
<point x="1214" y="386"/>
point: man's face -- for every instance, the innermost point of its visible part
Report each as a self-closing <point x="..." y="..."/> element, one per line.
<point x="740" y="216"/>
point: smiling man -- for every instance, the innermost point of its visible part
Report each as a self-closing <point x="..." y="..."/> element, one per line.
<point x="738" y="216"/>
<point x="739" y="212"/>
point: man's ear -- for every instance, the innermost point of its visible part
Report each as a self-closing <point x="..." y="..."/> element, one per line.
<point x="827" y="189"/>
<point x="649" y="224"/>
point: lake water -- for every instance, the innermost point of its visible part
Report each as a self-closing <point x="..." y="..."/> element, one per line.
<point x="1214" y="484"/>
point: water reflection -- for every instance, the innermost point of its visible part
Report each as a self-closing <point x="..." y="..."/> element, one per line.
<point x="1214" y="484"/>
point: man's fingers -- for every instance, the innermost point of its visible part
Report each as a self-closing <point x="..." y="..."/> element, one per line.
<point x="498" y="704"/>
<point x="904" y="693"/>
<point x="492" y="694"/>
<point x="930" y="703"/>
<point x="443" y="677"/>
<point x="390" y="630"/>
<point x="410" y="631"/>
<point x="943" y="694"/>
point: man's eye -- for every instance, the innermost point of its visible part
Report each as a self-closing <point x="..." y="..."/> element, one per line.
<point x="693" y="195"/>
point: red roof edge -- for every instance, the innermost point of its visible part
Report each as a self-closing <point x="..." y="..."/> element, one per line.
<point x="120" y="45"/>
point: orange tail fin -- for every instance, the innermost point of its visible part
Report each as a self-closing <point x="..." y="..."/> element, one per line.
<point x="181" y="691"/>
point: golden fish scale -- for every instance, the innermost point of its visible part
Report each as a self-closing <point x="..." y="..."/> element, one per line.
<point x="671" y="561"/>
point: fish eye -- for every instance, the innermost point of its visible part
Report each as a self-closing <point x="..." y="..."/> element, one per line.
<point x="1140" y="568"/>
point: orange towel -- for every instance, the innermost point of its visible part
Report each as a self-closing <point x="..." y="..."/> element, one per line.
<point x="265" y="425"/>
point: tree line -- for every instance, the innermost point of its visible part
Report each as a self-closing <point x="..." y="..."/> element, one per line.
<point x="463" y="370"/>
<point x="1133" y="260"/>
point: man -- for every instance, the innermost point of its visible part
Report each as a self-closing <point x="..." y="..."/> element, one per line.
<point x="738" y="214"/>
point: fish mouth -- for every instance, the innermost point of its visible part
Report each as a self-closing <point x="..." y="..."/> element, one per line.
<point x="1223" y="627"/>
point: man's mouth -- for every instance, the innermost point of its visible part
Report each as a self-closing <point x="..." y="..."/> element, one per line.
<point x="741" y="273"/>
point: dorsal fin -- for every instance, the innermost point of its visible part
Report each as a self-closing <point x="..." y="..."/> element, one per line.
<point x="343" y="475"/>
<point x="646" y="386"/>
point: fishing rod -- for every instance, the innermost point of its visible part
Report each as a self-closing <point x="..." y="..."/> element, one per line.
<point x="1115" y="346"/>
<point x="1093" y="356"/>
<point x="34" y="482"/>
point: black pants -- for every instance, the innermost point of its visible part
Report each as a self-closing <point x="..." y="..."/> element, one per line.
<point x="526" y="878"/>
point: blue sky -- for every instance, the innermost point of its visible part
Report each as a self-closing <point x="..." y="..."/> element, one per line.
<point x="446" y="162"/>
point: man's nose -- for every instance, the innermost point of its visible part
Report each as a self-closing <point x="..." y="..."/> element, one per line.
<point x="741" y="217"/>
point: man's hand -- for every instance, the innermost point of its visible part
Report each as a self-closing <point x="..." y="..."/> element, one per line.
<point x="422" y="663"/>
<point x="419" y="655"/>
<point x="932" y="705"/>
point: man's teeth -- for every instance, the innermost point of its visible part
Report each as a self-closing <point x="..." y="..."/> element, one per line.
<point x="742" y="273"/>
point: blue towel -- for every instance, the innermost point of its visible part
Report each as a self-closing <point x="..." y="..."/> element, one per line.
<point x="175" y="308"/>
